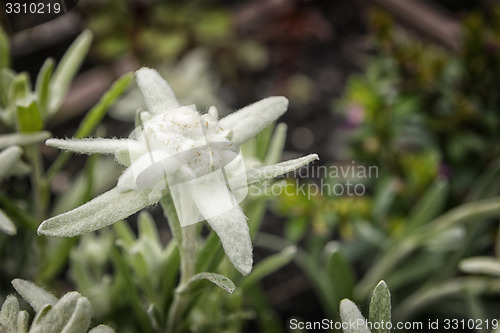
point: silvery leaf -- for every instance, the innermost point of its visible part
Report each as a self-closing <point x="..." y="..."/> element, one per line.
<point x="98" y="213"/>
<point x="250" y="120"/>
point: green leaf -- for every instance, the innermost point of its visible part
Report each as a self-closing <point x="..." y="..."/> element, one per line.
<point x="211" y="252"/>
<point x="262" y="141"/>
<point x="4" y="50"/>
<point x="67" y="69"/>
<point x="380" y="308"/>
<point x="21" y="139"/>
<point x="132" y="294"/>
<point x="147" y="228"/>
<point x="269" y="265"/>
<point x="42" y="86"/>
<point x="296" y="227"/>
<point x="430" y="205"/>
<point x="36" y="296"/>
<point x="384" y="197"/>
<point x="480" y="265"/>
<point x="6" y="77"/>
<point x="8" y="313"/>
<point x="6" y="225"/>
<point x="277" y="145"/>
<point x="57" y="260"/>
<point x="349" y="313"/>
<point x="124" y="233"/>
<point x="487" y="182"/>
<point x="217" y="279"/>
<point x="8" y="158"/>
<point x="22" y="218"/>
<point x="96" y="114"/>
<point x="340" y="273"/>
<point x="19" y="88"/>
<point x="29" y="119"/>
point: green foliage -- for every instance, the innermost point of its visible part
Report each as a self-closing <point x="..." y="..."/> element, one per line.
<point x="28" y="110"/>
<point x="380" y="313"/>
<point x="71" y="313"/>
<point x="417" y="115"/>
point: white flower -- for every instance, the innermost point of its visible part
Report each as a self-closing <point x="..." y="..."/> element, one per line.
<point x="188" y="148"/>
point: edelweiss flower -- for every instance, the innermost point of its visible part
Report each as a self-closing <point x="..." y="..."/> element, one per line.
<point x="192" y="156"/>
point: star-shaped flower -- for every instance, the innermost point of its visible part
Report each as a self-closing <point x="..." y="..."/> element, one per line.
<point x="177" y="150"/>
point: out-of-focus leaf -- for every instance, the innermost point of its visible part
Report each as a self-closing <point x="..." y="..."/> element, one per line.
<point x="384" y="197"/>
<point x="36" y="296"/>
<point x="340" y="274"/>
<point x="42" y="86"/>
<point x="22" y="218"/>
<point x="124" y="233"/>
<point x="211" y="252"/>
<point x="67" y="68"/>
<point x="29" y="119"/>
<point x="430" y="205"/>
<point x="133" y="294"/>
<point x="480" y="265"/>
<point x="295" y="228"/>
<point x="268" y="266"/>
<point x="147" y="228"/>
<point x="21" y="139"/>
<point x="6" y="77"/>
<point x="262" y="141"/>
<point x="217" y="279"/>
<point x="57" y="260"/>
<point x="380" y="308"/>
<point x="276" y="145"/>
<point x="6" y="225"/>
<point x="95" y="115"/>
<point x="93" y="118"/>
<point x="487" y="182"/>
<point x="4" y="50"/>
<point x="19" y="88"/>
<point x="8" y="158"/>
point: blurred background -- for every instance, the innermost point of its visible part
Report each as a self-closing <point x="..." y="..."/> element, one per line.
<point x="411" y="87"/>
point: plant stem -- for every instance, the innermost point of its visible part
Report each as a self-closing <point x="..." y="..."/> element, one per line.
<point x="186" y="241"/>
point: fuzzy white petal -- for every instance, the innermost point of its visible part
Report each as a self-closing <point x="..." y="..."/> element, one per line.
<point x="271" y="171"/>
<point x="8" y="158"/>
<point x="98" y="213"/>
<point x="91" y="146"/>
<point x="157" y="94"/>
<point x="229" y="224"/>
<point x="249" y="121"/>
